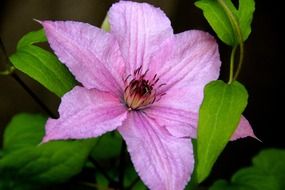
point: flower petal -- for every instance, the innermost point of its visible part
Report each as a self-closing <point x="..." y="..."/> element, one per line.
<point x="179" y="123"/>
<point x="195" y="62"/>
<point x="84" y="114"/>
<point x="244" y="130"/>
<point x="185" y="124"/>
<point x="162" y="161"/>
<point x="91" y="54"/>
<point x="142" y="31"/>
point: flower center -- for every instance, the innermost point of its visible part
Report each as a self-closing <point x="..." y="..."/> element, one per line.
<point x="140" y="92"/>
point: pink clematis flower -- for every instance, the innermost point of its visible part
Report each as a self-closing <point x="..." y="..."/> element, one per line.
<point x="141" y="80"/>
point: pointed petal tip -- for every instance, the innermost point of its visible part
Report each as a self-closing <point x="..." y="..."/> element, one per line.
<point x="256" y="138"/>
<point x="46" y="139"/>
<point x="38" y="21"/>
<point x="244" y="130"/>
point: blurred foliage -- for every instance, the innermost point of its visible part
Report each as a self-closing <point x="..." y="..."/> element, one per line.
<point x="267" y="173"/>
<point x="108" y="146"/>
<point x="28" y="164"/>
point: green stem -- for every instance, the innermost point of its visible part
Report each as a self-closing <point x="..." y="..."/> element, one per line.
<point x="10" y="68"/>
<point x="103" y="172"/>
<point x="238" y="33"/>
<point x="232" y="60"/>
<point x="95" y="186"/>
<point x="33" y="95"/>
<point x="8" y="71"/>
<point x="241" y="55"/>
<point x="89" y="184"/>
<point x="122" y="165"/>
<point x="132" y="185"/>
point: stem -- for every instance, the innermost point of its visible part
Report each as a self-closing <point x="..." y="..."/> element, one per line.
<point x="3" y="49"/>
<point x="10" y="68"/>
<point x="97" y="165"/>
<point x="232" y="64"/>
<point x="89" y="184"/>
<point x="133" y="183"/>
<point x="122" y="165"/>
<point x="241" y="55"/>
<point x="10" y="72"/>
<point x="33" y="95"/>
<point x="96" y="186"/>
<point x="238" y="33"/>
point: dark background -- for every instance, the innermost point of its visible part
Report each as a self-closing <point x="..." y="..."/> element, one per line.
<point x="262" y="72"/>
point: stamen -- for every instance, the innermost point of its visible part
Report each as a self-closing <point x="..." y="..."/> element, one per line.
<point x="161" y="85"/>
<point x="127" y="78"/>
<point x="154" y="77"/>
<point x="141" y="92"/>
<point x="137" y="71"/>
<point x="153" y="100"/>
<point x="156" y="81"/>
<point x="144" y="73"/>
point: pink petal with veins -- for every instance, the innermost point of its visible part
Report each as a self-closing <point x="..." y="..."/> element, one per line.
<point x="85" y="114"/>
<point x="178" y="122"/>
<point x="92" y="55"/>
<point x="163" y="162"/>
<point x="142" y="32"/>
<point x="195" y="62"/>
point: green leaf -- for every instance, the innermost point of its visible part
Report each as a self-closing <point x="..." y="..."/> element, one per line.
<point x="219" y="116"/>
<point x="218" y="20"/>
<point x="102" y="181"/>
<point x="267" y="172"/>
<point x="245" y="16"/>
<point x="107" y="146"/>
<point x="42" y="65"/>
<point x="23" y="133"/>
<point x="131" y="176"/>
<point x="31" y="38"/>
<point x="226" y="20"/>
<point x="223" y="184"/>
<point x="27" y="163"/>
<point x="106" y="25"/>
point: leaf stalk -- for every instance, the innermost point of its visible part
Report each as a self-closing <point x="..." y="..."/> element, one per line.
<point x="238" y="33"/>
